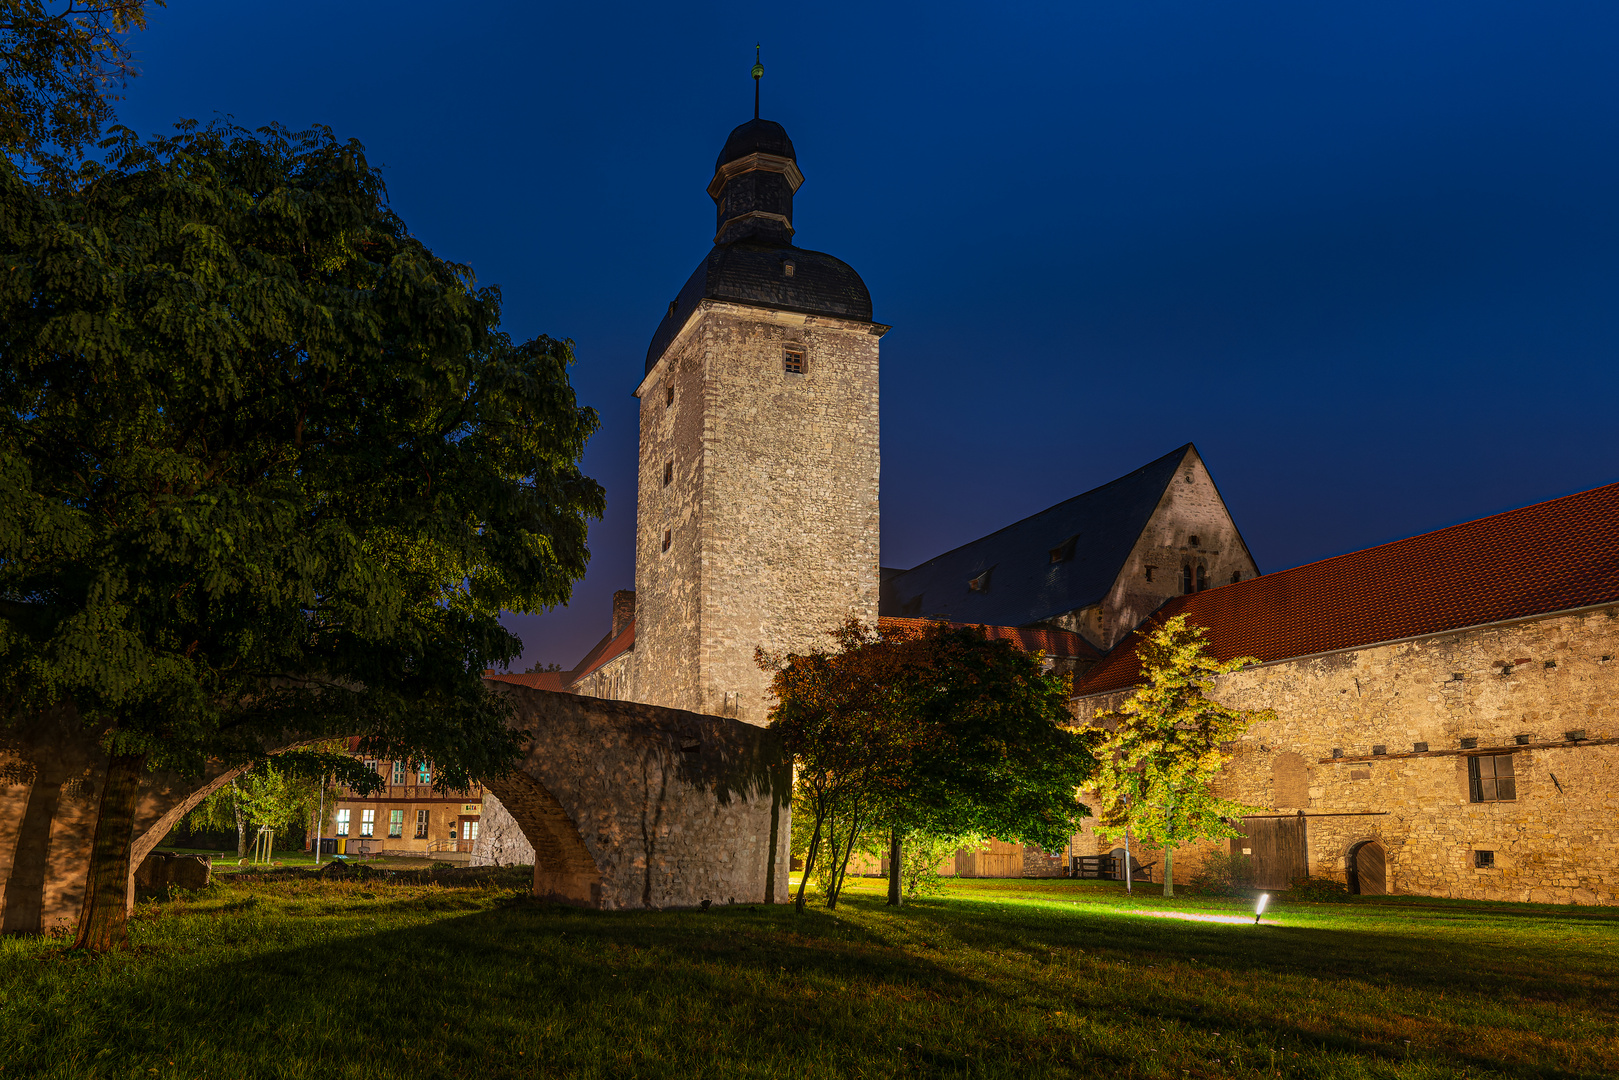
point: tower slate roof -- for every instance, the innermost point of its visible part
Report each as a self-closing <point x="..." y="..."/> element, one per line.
<point x="754" y="260"/>
<point x="1023" y="585"/>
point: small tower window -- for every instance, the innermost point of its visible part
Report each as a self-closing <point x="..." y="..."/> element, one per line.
<point x="792" y="360"/>
<point x="668" y="395"/>
<point x="668" y="473"/>
<point x="1236" y="576"/>
<point x="1192" y="540"/>
<point x="1186" y="579"/>
<point x="1202" y="578"/>
<point x="668" y="538"/>
<point x="1150" y="569"/>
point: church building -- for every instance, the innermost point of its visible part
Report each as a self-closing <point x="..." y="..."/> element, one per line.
<point x="1446" y="718"/>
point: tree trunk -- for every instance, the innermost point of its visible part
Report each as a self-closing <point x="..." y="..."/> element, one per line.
<point x="241" y="821"/>
<point x="893" y="868"/>
<point x="1169" y="871"/>
<point x="809" y="860"/>
<point x="104" y="917"/>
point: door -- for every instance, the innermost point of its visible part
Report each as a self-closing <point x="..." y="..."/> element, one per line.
<point x="1277" y="847"/>
<point x="1367" y="872"/>
<point x="468" y="832"/>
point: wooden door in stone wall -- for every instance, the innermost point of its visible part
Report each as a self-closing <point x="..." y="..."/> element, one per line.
<point x="998" y="860"/>
<point x="1277" y="847"/>
<point x="1368" y="874"/>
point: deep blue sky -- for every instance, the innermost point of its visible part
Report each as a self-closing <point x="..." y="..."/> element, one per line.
<point x="1365" y="255"/>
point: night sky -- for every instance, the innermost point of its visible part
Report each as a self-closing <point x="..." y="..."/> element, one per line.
<point x="1366" y="255"/>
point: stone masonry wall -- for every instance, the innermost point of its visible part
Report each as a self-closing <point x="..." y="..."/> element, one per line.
<point x="772" y="511"/>
<point x="1519" y="689"/>
<point x="626" y="805"/>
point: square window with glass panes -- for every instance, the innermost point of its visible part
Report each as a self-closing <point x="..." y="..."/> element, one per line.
<point x="1490" y="778"/>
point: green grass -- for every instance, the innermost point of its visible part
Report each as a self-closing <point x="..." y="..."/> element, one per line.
<point x="284" y="976"/>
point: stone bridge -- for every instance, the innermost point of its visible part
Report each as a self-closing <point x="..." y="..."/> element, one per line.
<point x="624" y="805"/>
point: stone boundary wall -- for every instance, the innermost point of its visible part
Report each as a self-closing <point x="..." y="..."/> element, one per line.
<point x="1517" y="688"/>
<point x="626" y="805"/>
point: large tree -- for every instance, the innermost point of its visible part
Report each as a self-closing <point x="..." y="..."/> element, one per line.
<point x="61" y="65"/>
<point x="1165" y="745"/>
<point x="940" y="732"/>
<point x="269" y="471"/>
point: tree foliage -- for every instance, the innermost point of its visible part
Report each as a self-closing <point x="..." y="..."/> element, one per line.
<point x="269" y="469"/>
<point x="61" y="65"/>
<point x="1166" y="744"/>
<point x="940" y="732"/>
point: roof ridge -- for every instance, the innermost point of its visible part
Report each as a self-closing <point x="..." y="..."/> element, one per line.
<point x="1181" y="450"/>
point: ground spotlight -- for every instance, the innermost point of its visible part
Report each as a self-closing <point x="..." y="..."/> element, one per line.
<point x="1260" y="910"/>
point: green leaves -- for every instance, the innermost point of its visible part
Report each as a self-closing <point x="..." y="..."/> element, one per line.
<point x="1165" y="745"/>
<point x="269" y="469"/>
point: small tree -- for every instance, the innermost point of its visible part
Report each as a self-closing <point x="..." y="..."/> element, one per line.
<point x="1165" y="745"/>
<point x="266" y="797"/>
<point x="940" y="732"/>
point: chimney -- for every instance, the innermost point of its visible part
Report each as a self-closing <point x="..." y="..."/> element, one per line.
<point x="623" y="610"/>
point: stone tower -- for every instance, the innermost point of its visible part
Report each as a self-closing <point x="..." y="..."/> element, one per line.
<point x="757" y="506"/>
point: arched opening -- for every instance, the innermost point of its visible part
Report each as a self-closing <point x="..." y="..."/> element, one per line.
<point x="564" y="870"/>
<point x="1368" y="872"/>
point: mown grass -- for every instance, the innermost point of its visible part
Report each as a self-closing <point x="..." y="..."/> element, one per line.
<point x="286" y="976"/>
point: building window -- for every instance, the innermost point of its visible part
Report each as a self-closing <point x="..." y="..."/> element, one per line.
<point x="1202" y="578"/>
<point x="668" y="538"/>
<point x="673" y="304"/>
<point x="979" y="583"/>
<point x="1490" y="779"/>
<point x="472" y="830"/>
<point x="424" y="773"/>
<point x="1236" y="576"/>
<point x="1193" y="540"/>
<point x="1064" y="551"/>
<point x="399" y="773"/>
<point x="1186" y="579"/>
<point x="668" y="395"/>
<point x="1484" y="860"/>
<point x="342" y="823"/>
<point x="421" y="824"/>
<point x="788" y="267"/>
<point x="668" y="473"/>
<point x="396" y="823"/>
<point x="792" y="360"/>
<point x="368" y="822"/>
<point x="1150" y="569"/>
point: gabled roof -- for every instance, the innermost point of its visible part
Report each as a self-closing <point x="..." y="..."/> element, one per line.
<point x="1553" y="556"/>
<point x="1023" y="584"/>
<point x="607" y="649"/>
<point x="1057" y="643"/>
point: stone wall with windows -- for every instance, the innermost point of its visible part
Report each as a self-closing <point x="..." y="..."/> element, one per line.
<point x="1378" y="746"/>
<point x="766" y="531"/>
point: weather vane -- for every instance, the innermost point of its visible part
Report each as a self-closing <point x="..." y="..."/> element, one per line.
<point x="758" y="72"/>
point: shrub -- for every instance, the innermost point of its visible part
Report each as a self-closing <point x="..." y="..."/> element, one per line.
<point x="1223" y="874"/>
<point x="1318" y="890"/>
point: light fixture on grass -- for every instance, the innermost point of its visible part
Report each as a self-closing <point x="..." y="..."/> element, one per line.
<point x="1260" y="910"/>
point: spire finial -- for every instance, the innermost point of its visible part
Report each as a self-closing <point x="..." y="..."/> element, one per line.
<point x="758" y="72"/>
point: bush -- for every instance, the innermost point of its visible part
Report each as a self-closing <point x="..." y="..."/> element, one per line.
<point x="1224" y="875"/>
<point x="1318" y="890"/>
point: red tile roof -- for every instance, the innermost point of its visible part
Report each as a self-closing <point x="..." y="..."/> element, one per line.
<point x="539" y="680"/>
<point x="1063" y="643"/>
<point x="607" y="649"/>
<point x="1552" y="556"/>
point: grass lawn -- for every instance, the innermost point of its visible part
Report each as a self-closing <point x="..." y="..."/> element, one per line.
<point x="292" y="977"/>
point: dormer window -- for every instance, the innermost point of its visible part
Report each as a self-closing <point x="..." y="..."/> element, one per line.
<point x="1064" y="551"/>
<point x="672" y="305"/>
<point x="979" y="583"/>
<point x="788" y="267"/>
<point x="793" y="361"/>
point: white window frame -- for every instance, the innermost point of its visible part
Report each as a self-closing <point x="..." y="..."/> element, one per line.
<point x="343" y="822"/>
<point x="368" y="822"/>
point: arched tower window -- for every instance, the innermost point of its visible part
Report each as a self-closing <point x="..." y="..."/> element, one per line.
<point x="1202" y="578"/>
<point x="1186" y="578"/>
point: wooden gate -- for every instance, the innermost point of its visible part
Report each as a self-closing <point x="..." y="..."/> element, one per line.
<point x="1367" y="873"/>
<point x="1277" y="847"/>
<point x="998" y="860"/>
